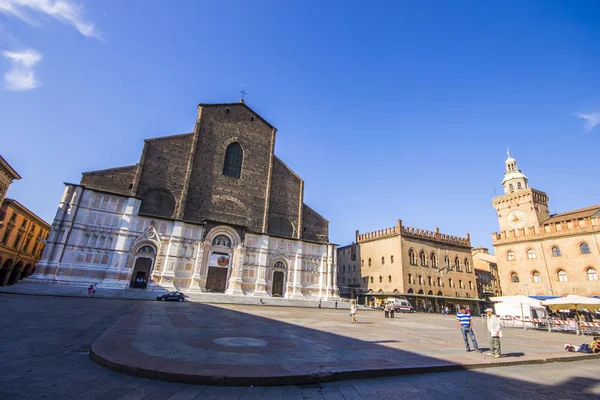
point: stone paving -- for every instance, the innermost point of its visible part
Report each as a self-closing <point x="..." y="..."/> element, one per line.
<point x="44" y="354"/>
<point x="244" y="345"/>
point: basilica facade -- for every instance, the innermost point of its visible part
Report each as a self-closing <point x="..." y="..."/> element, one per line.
<point x="212" y="210"/>
<point x="543" y="254"/>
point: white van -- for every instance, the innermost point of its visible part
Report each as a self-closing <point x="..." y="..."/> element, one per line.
<point x="400" y="305"/>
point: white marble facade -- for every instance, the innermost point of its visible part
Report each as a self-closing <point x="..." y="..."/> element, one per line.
<point x="98" y="237"/>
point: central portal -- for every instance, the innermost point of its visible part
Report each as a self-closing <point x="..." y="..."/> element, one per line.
<point x="217" y="279"/>
<point x="277" y="283"/>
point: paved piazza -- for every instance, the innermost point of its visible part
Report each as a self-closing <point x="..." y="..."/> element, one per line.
<point x="46" y="343"/>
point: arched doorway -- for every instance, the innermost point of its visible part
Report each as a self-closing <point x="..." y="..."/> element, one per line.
<point x="278" y="280"/>
<point x="5" y="272"/>
<point x="16" y="273"/>
<point x="27" y="271"/>
<point x="142" y="266"/>
<point x="218" y="264"/>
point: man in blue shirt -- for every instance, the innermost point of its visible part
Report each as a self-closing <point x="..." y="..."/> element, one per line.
<point x="466" y="325"/>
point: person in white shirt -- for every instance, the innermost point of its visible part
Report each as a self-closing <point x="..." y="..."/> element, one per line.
<point x="353" y="310"/>
<point x="495" y="330"/>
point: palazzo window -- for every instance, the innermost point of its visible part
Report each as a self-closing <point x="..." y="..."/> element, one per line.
<point x="433" y="261"/>
<point x="556" y="251"/>
<point x="423" y="258"/>
<point x="467" y="265"/>
<point x="562" y="276"/>
<point x="514" y="277"/>
<point x="584" y="248"/>
<point x="371" y="279"/>
<point x="391" y="259"/>
<point x="380" y="279"/>
<point x="409" y="278"/>
<point x="519" y="185"/>
<point x="510" y="256"/>
<point x="592" y="275"/>
<point x="369" y="262"/>
<point x="382" y="260"/>
<point x="234" y="156"/>
<point x="457" y="264"/>
<point x="537" y="278"/>
<point x="411" y="257"/>
<point x="389" y="279"/>
<point x="531" y="254"/>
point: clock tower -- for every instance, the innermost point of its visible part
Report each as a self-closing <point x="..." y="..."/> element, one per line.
<point x="520" y="206"/>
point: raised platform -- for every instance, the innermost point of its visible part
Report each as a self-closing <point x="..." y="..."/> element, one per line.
<point x="43" y="289"/>
<point x="249" y="345"/>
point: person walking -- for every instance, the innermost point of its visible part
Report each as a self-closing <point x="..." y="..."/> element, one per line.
<point x="94" y="289"/>
<point x="392" y="309"/>
<point x="90" y="290"/>
<point x="463" y="319"/>
<point x="495" y="330"/>
<point x="386" y="310"/>
<point x="353" y="310"/>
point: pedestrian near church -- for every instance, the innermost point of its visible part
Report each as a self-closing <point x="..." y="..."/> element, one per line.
<point x="90" y="289"/>
<point x="463" y="319"/>
<point x="353" y="310"/>
<point x="386" y="310"/>
<point x="495" y="330"/>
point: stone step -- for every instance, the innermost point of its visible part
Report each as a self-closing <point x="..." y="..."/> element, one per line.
<point x="29" y="287"/>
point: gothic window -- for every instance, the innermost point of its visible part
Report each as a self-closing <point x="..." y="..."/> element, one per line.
<point x="221" y="240"/>
<point x="556" y="251"/>
<point x="592" y="275"/>
<point x="510" y="256"/>
<point x="584" y="248"/>
<point x="369" y="262"/>
<point x="537" y="278"/>
<point x="512" y="188"/>
<point x="371" y="279"/>
<point x="409" y="278"/>
<point x="562" y="276"/>
<point x="423" y="258"/>
<point x="519" y="185"/>
<point x="343" y="280"/>
<point x="158" y="202"/>
<point x="514" y="278"/>
<point x="343" y="268"/>
<point x="433" y="261"/>
<point x="380" y="279"/>
<point x="449" y="282"/>
<point x="429" y="280"/>
<point x="411" y="257"/>
<point x="531" y="254"/>
<point x="389" y="279"/>
<point x="281" y="227"/>
<point x="467" y="265"/>
<point x="234" y="156"/>
<point x="382" y="260"/>
<point x="457" y="263"/>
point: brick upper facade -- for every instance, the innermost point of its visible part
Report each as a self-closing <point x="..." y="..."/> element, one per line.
<point x="182" y="177"/>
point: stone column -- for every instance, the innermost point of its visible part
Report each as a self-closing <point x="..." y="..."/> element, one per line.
<point x="260" y="287"/>
<point x="297" y="271"/>
<point x="234" y="285"/>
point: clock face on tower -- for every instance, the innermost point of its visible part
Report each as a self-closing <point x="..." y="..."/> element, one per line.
<point x="517" y="219"/>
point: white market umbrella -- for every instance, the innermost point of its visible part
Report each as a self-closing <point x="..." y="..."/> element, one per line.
<point x="572" y="301"/>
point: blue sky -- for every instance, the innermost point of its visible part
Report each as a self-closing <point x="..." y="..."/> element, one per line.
<point x="387" y="110"/>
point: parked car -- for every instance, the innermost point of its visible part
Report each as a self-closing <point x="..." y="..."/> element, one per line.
<point x="171" y="296"/>
<point x="401" y="305"/>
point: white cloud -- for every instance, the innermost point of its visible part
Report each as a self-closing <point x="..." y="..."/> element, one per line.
<point x="591" y="120"/>
<point x="63" y="10"/>
<point x="21" y="75"/>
